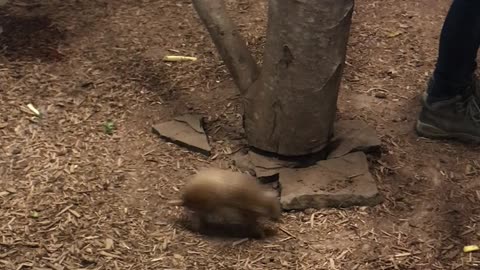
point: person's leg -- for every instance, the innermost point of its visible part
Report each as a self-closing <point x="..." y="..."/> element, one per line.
<point x="451" y="107"/>
<point x="459" y="42"/>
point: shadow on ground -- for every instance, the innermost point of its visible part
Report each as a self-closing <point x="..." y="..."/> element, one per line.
<point x="227" y="231"/>
<point x="30" y="38"/>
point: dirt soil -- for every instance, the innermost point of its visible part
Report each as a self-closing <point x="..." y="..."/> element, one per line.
<point x="74" y="197"/>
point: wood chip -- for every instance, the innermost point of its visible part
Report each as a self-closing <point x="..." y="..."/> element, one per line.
<point x="106" y="254"/>
<point x="108" y="244"/>
<point x="4" y="255"/>
<point x="75" y="213"/>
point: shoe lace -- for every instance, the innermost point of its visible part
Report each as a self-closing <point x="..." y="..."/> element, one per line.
<point x="471" y="108"/>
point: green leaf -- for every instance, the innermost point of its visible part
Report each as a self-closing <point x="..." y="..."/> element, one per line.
<point x="109" y="127"/>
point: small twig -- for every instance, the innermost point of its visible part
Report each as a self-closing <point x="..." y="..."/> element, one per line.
<point x="355" y="175"/>
<point x="106" y="254"/>
<point x="64" y="210"/>
<point x="6" y="254"/>
<point x="287" y="232"/>
<point x="257" y="259"/>
<point x="406" y="254"/>
<point x="241" y="241"/>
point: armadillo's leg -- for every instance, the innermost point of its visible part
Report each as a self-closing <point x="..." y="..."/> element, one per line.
<point x="250" y="220"/>
<point x="257" y="230"/>
<point x="199" y="221"/>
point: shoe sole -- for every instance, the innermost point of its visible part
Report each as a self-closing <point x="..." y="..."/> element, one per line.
<point x="432" y="132"/>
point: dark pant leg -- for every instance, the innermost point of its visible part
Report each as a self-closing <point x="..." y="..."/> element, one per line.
<point x="459" y="42"/>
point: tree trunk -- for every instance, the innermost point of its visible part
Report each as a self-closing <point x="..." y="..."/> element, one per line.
<point x="228" y="42"/>
<point x="291" y="109"/>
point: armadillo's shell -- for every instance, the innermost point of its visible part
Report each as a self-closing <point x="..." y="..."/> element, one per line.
<point x="212" y="188"/>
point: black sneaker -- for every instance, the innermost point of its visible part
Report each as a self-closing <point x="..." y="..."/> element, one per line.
<point x="455" y="118"/>
<point x="473" y="87"/>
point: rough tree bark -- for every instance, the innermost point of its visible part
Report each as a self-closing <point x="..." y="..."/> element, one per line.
<point x="228" y="41"/>
<point x="290" y="106"/>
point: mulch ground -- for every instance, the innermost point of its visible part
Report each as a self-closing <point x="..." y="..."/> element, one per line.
<point x="73" y="196"/>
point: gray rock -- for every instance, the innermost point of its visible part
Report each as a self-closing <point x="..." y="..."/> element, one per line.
<point x="354" y="135"/>
<point x="194" y="121"/>
<point x="243" y="163"/>
<point x="186" y="131"/>
<point x="340" y="182"/>
<point x="268" y="166"/>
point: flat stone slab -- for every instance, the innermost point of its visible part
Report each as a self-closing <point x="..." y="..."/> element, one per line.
<point x="268" y="166"/>
<point x="354" y="135"/>
<point x="340" y="182"/>
<point x="243" y="163"/>
<point x="186" y="131"/>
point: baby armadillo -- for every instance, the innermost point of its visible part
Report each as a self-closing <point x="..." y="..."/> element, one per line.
<point x="229" y="194"/>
